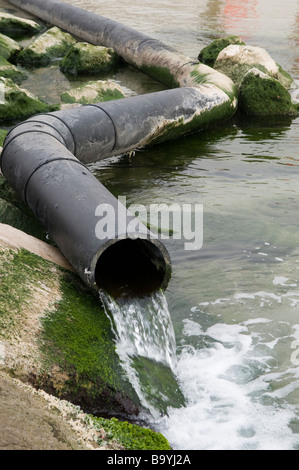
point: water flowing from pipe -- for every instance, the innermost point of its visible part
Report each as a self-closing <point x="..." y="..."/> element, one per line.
<point x="145" y="343"/>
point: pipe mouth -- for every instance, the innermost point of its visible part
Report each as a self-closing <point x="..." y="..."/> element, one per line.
<point x="133" y="268"/>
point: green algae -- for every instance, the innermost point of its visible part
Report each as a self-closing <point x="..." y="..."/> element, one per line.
<point x="3" y="134"/>
<point x="209" y="54"/>
<point x="7" y="70"/>
<point x="161" y="74"/>
<point x="50" y="46"/>
<point x="265" y="96"/>
<point x="158" y="384"/>
<point x="14" y="26"/>
<point x="237" y="72"/>
<point x="85" y="58"/>
<point x="18" y="271"/>
<point x="77" y="335"/>
<point x="92" y="92"/>
<point x="284" y="77"/>
<point x="18" y="103"/>
<point x="8" y="47"/>
<point x="131" y="436"/>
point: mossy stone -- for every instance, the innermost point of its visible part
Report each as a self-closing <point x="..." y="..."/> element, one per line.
<point x="50" y="46"/>
<point x="85" y="58"/>
<point x="3" y="134"/>
<point x="14" y="26"/>
<point x="209" y="54"/>
<point x="261" y="95"/>
<point x="8" y="47"/>
<point x="10" y="71"/>
<point x="17" y="103"/>
<point x="93" y="92"/>
<point x="236" y="60"/>
<point x="131" y="436"/>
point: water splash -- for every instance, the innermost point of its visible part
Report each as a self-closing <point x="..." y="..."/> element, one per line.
<point x="146" y="346"/>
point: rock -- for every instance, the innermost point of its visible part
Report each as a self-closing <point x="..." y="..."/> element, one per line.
<point x="262" y="95"/>
<point x="35" y="420"/>
<point x="18" y="103"/>
<point x="29" y="423"/>
<point x="8" y="70"/>
<point x="93" y="92"/>
<point x="236" y="60"/>
<point x="3" y="133"/>
<point x="8" y="47"/>
<point x="209" y="54"/>
<point x="50" y="46"/>
<point x="15" y="26"/>
<point x="85" y="58"/>
<point x="55" y="333"/>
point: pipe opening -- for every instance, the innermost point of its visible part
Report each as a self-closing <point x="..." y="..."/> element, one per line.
<point x="131" y="268"/>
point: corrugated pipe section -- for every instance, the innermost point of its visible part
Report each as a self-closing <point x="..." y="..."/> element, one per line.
<point x="45" y="157"/>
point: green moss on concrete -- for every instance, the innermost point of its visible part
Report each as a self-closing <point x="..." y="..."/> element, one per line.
<point x="93" y="92"/>
<point x="18" y="103"/>
<point x="50" y="46"/>
<point x="18" y="271"/>
<point x="10" y="71"/>
<point x="261" y="95"/>
<point x="77" y="335"/>
<point x="161" y="74"/>
<point x="75" y="338"/>
<point x="209" y="54"/>
<point x="85" y="58"/>
<point x="131" y="436"/>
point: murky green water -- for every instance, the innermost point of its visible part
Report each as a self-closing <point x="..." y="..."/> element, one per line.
<point x="235" y="302"/>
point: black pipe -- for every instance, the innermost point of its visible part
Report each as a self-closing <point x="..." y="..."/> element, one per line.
<point x="64" y="195"/>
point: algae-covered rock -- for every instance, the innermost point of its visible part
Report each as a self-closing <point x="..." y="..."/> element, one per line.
<point x="51" y="45"/>
<point x="85" y="58"/>
<point x="15" y="26"/>
<point x="18" y="103"/>
<point x="8" y="47"/>
<point x="131" y="436"/>
<point x="262" y="95"/>
<point x="3" y="134"/>
<point x="10" y="71"/>
<point x="209" y="54"/>
<point x="236" y="60"/>
<point x="93" y="92"/>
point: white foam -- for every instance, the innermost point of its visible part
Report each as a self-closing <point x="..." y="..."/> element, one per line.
<point x="221" y="414"/>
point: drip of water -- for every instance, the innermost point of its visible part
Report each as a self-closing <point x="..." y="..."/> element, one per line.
<point x="145" y="343"/>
